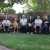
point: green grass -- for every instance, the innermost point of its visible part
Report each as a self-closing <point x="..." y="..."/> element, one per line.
<point x="25" y="42"/>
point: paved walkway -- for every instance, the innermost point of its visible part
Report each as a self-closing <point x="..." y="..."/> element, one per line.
<point x="4" y="48"/>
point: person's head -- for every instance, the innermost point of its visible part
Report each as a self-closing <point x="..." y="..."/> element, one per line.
<point x="46" y="17"/>
<point x="30" y="17"/>
<point x="38" y="17"/>
<point x="23" y="16"/>
<point x="6" y="18"/>
<point x="15" y="19"/>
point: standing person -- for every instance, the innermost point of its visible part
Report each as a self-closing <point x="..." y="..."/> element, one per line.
<point x="30" y="25"/>
<point x="38" y="22"/>
<point x="6" y="23"/>
<point x="46" y="23"/>
<point x="23" y="22"/>
<point x="15" y="25"/>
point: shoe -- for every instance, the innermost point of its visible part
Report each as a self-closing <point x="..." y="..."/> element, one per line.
<point x="17" y="31"/>
<point x="8" y="31"/>
<point x="4" y="31"/>
<point x="39" y="31"/>
<point x="31" y="32"/>
<point x="27" y="32"/>
<point x="35" y="31"/>
<point x="14" y="31"/>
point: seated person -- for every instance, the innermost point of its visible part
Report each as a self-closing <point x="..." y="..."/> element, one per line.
<point x="15" y="25"/>
<point x="46" y="24"/>
<point x="23" y="22"/>
<point x="0" y="25"/>
<point x="38" y="22"/>
<point x="6" y="23"/>
<point x="30" y="25"/>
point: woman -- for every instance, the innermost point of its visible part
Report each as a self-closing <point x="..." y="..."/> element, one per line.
<point x="15" y="25"/>
<point x="30" y="25"/>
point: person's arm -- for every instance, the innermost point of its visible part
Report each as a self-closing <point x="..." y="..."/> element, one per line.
<point x="2" y="22"/>
<point x="35" y="22"/>
<point x="9" y="23"/>
<point x="41" y="22"/>
<point x="26" y="21"/>
<point x="20" y="22"/>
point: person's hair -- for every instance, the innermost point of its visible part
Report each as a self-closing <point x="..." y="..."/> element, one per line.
<point x="45" y="16"/>
<point x="23" y="15"/>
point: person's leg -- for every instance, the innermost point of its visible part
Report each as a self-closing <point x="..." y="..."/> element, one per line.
<point x="8" y="26"/>
<point x="24" y="29"/>
<point x="0" y="27"/>
<point x="17" y="29"/>
<point x="45" y="28"/>
<point x="14" y="28"/>
<point x="32" y="29"/>
<point x="35" y="28"/>
<point x="40" y="29"/>
<point x="4" y="26"/>
<point x="28" y="29"/>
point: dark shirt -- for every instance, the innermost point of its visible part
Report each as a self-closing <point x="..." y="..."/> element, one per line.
<point x="46" y="23"/>
<point x="30" y="21"/>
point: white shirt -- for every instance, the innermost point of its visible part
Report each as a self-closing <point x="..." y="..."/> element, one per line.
<point x="38" y="22"/>
<point x="23" y="21"/>
<point x="7" y="22"/>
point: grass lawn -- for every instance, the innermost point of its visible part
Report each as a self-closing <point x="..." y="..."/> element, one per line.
<point x="25" y="42"/>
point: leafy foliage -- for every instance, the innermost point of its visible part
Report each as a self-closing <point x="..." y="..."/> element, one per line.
<point x="9" y="11"/>
<point x="38" y="5"/>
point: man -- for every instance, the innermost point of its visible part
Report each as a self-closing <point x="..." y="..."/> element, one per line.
<point x="46" y="24"/>
<point x="6" y="23"/>
<point x="30" y="25"/>
<point x="23" y="22"/>
<point x="38" y="22"/>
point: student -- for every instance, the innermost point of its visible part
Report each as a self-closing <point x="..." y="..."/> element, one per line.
<point x="23" y="22"/>
<point x="6" y="23"/>
<point x="0" y="25"/>
<point x="30" y="25"/>
<point x="38" y="22"/>
<point x="15" y="25"/>
<point x="46" y="23"/>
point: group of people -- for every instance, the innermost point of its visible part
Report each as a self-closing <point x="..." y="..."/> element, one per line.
<point x="29" y="24"/>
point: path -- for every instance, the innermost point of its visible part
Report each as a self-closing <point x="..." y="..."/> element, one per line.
<point x="4" y="48"/>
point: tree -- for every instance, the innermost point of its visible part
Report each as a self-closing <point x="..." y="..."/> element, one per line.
<point x="9" y="4"/>
<point x="39" y="5"/>
<point x="9" y="11"/>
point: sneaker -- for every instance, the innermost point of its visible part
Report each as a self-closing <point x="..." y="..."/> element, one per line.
<point x="4" y="31"/>
<point x="17" y="31"/>
<point x="31" y="32"/>
<point x="8" y="31"/>
<point x="14" y="31"/>
<point x="27" y="32"/>
<point x="35" y="31"/>
<point x="39" y="31"/>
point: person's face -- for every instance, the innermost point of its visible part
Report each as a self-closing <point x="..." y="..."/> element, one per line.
<point x="46" y="17"/>
<point x="30" y="17"/>
<point x="38" y="17"/>
<point x="6" y="18"/>
<point x="15" y="19"/>
<point x="23" y="17"/>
